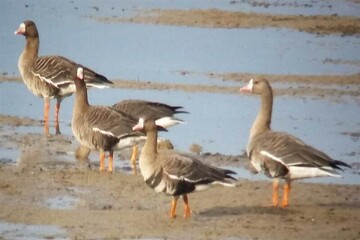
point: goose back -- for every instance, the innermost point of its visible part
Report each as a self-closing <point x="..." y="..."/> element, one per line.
<point x="98" y="127"/>
<point x="50" y="76"/>
<point x="175" y="173"/>
<point x="162" y="113"/>
<point x="279" y="154"/>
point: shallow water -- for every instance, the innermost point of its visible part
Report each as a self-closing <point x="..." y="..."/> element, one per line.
<point x="157" y="53"/>
<point x="314" y="7"/>
<point x="9" y="156"/>
<point x="217" y="128"/>
<point x="63" y="202"/>
<point x="218" y="122"/>
<point x="26" y="232"/>
<point x="209" y="122"/>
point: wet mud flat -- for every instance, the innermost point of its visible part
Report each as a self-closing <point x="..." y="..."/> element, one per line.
<point x="46" y="193"/>
<point x="329" y="87"/>
<point x="216" y="18"/>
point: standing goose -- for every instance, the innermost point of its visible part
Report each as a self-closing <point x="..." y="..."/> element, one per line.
<point x="162" y="113"/>
<point x="173" y="173"/>
<point x="100" y="128"/>
<point x="280" y="155"/>
<point x="49" y="77"/>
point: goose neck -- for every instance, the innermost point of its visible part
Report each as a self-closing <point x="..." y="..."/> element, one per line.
<point x="263" y="120"/>
<point x="150" y="146"/>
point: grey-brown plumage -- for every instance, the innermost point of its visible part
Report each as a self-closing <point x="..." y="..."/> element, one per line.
<point x="162" y="113"/>
<point x="173" y="173"/>
<point x="50" y="77"/>
<point x="98" y="127"/>
<point x="154" y="110"/>
<point x="292" y="153"/>
<point x="280" y="155"/>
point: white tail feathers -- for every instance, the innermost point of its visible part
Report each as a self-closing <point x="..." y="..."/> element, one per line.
<point x="167" y="122"/>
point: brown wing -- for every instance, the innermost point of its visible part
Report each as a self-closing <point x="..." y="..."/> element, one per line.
<point x="275" y="152"/>
<point x="146" y="109"/>
<point x="110" y="122"/>
<point x="190" y="169"/>
<point x="56" y="70"/>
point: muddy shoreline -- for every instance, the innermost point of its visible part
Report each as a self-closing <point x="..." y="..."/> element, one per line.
<point x="215" y="18"/>
<point x="42" y="184"/>
<point x="48" y="187"/>
<point x="341" y="86"/>
<point x="120" y="206"/>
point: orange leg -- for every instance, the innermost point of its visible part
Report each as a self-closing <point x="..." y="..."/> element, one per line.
<point x="134" y="156"/>
<point x="285" y="200"/>
<point x="46" y="117"/>
<point x="57" y="109"/>
<point x="111" y="160"/>
<point x="187" y="212"/>
<point x="102" y="160"/>
<point x="173" y="207"/>
<point x="275" y="195"/>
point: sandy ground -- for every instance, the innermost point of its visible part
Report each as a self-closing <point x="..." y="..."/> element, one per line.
<point x="120" y="205"/>
<point x="95" y="205"/>
<point x="49" y="187"/>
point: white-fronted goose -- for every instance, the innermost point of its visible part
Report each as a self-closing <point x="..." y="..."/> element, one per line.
<point x="280" y="155"/>
<point x="49" y="77"/>
<point x="173" y="173"/>
<point x="100" y="128"/>
<point x="162" y="113"/>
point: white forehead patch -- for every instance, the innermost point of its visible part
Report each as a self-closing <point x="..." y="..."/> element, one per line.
<point x="141" y="122"/>
<point x="21" y="29"/>
<point x="251" y="84"/>
<point x="80" y="73"/>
